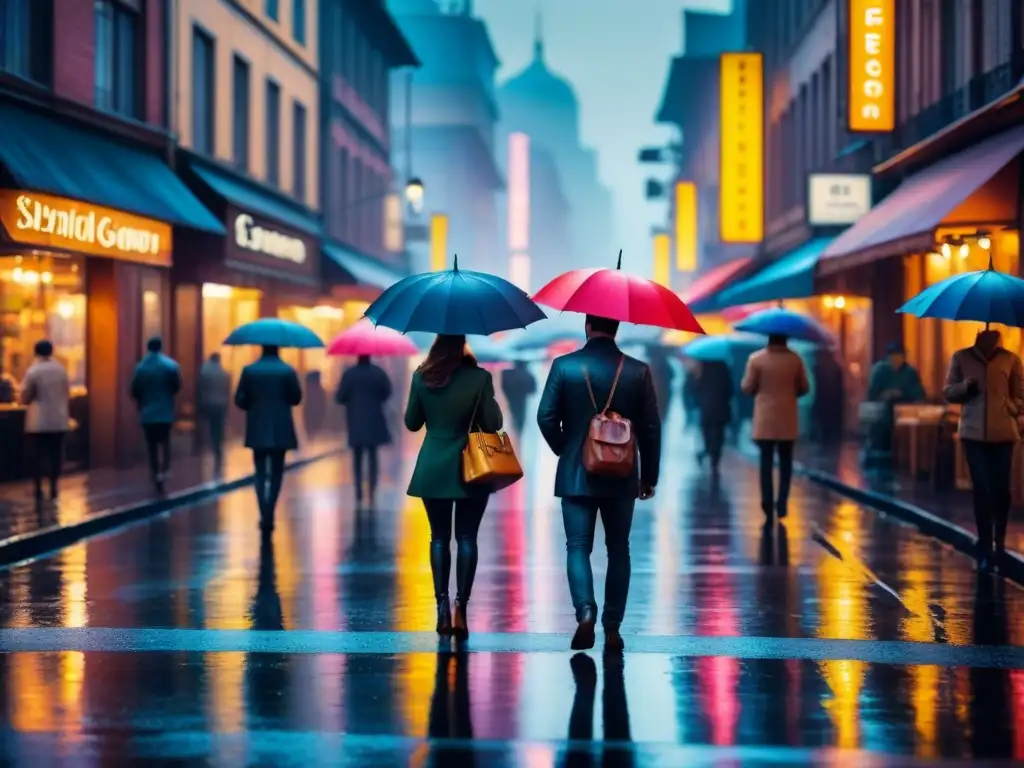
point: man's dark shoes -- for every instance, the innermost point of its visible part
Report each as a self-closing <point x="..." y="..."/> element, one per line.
<point x="782" y="509"/>
<point x="460" y="628"/>
<point x="613" y="642"/>
<point x="444" y="616"/>
<point x="583" y="640"/>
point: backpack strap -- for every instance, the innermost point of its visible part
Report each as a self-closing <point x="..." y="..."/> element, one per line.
<point x="611" y="394"/>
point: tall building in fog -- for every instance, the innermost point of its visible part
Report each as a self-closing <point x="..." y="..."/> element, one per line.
<point x="443" y="120"/>
<point x="540" y="104"/>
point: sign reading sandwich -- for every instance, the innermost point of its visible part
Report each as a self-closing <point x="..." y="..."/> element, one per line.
<point x="46" y="221"/>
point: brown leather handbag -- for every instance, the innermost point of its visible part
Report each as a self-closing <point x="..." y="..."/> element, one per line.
<point x="488" y="460"/>
<point x="610" y="446"/>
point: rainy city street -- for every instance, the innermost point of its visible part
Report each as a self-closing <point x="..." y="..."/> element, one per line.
<point x="839" y="638"/>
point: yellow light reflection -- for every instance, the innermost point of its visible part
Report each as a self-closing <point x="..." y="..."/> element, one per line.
<point x="918" y="627"/>
<point x="415" y="612"/>
<point x="843" y="608"/>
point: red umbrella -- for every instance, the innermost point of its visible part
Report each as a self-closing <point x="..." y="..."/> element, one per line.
<point x="618" y="295"/>
<point x="364" y="338"/>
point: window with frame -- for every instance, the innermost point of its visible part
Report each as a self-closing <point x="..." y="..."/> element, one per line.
<point x="16" y="37"/>
<point x="116" y="82"/>
<point x="272" y="9"/>
<point x="273" y="133"/>
<point x="240" y="113"/>
<point x="203" y="97"/>
<point x="299" y="21"/>
<point x="299" y="128"/>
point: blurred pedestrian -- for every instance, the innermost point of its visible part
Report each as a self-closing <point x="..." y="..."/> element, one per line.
<point x="714" y="398"/>
<point x="154" y="386"/>
<point x="450" y="395"/>
<point x="691" y="387"/>
<point x="893" y="381"/>
<point x="214" y="398"/>
<point x="518" y="384"/>
<point x="987" y="381"/>
<point x="46" y="393"/>
<point x="314" y="404"/>
<point x="600" y="379"/>
<point x="661" y="375"/>
<point x="363" y="391"/>
<point x="776" y="378"/>
<point x="267" y="391"/>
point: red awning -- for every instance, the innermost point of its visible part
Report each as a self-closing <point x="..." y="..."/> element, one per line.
<point x="905" y="221"/>
<point x="714" y="280"/>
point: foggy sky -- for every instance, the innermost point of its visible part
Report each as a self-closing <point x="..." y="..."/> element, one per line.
<point x="616" y="53"/>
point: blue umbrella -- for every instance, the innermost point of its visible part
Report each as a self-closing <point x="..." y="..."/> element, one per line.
<point x="454" y="301"/>
<point x="273" y="332"/>
<point x="725" y="348"/>
<point x="987" y="296"/>
<point x="783" y="322"/>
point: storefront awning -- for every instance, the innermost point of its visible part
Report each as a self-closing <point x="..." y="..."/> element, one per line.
<point x="250" y="197"/>
<point x="791" y="277"/>
<point x="362" y="269"/>
<point x="703" y="294"/>
<point x="43" y="154"/>
<point x="905" y="221"/>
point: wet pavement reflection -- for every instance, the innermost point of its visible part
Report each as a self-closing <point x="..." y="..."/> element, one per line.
<point x="813" y="637"/>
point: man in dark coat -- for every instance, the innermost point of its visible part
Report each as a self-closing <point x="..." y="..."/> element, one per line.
<point x="714" y="399"/>
<point x="364" y="389"/>
<point x="565" y="412"/>
<point x="518" y="384"/>
<point x="155" y="384"/>
<point x="267" y="391"/>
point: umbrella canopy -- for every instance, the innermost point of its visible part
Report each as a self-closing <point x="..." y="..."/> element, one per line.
<point x="726" y="348"/>
<point x="785" y="322"/>
<point x="365" y="339"/>
<point x="987" y="296"/>
<point x="273" y="332"/>
<point x="455" y="302"/>
<point x="543" y="337"/>
<point x="618" y="295"/>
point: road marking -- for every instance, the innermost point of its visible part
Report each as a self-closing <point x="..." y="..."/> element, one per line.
<point x="298" y="641"/>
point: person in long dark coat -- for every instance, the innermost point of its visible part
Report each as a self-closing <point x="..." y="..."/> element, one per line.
<point x="518" y="384"/>
<point x="364" y="389"/>
<point x="154" y="386"/>
<point x="714" y="399"/>
<point x="267" y="391"/>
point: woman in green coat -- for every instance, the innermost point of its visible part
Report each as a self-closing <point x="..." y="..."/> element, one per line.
<point x="451" y="396"/>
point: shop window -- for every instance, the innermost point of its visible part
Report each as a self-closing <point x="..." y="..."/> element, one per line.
<point x="299" y="21"/>
<point x="152" y="314"/>
<point x="116" y="85"/>
<point x="273" y="133"/>
<point x="224" y="309"/>
<point x="41" y="297"/>
<point x="299" y="129"/>
<point x="240" y="114"/>
<point x="203" y="87"/>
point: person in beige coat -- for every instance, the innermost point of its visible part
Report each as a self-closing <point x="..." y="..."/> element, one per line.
<point x="776" y="378"/>
<point x="988" y="382"/>
<point x="46" y="393"/>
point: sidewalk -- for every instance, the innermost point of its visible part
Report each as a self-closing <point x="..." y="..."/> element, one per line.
<point x="947" y="515"/>
<point x="93" y="501"/>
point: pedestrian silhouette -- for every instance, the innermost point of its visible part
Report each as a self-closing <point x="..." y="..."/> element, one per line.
<point x="46" y="394"/>
<point x="714" y="401"/>
<point x="517" y="384"/>
<point x="156" y="382"/>
<point x="363" y="391"/>
<point x="617" y="749"/>
<point x="991" y="712"/>
<point x="267" y="391"/>
<point x="214" y="399"/>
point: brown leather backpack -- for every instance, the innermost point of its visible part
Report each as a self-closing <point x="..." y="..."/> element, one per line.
<point x="610" y="446"/>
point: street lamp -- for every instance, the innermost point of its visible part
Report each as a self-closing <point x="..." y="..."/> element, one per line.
<point x="414" y="194"/>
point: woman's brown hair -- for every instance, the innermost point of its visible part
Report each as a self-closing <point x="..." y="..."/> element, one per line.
<point x="447" y="354"/>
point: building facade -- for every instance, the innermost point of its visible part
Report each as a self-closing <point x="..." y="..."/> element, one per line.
<point x="541" y="104"/>
<point x="443" y="121"/>
<point x="89" y="207"/>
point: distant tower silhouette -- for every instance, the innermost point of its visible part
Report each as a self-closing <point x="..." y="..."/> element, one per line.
<point x="538" y="35"/>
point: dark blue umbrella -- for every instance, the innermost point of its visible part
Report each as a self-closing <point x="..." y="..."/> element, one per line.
<point x="987" y="296"/>
<point x="455" y="301"/>
<point x="784" y="322"/>
<point x="273" y="332"/>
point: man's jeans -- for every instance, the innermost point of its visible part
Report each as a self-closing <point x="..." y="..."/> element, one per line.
<point x="579" y="516"/>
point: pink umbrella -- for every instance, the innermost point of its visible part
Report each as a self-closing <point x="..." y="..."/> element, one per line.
<point x="364" y="338"/>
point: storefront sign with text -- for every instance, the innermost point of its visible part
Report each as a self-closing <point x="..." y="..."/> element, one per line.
<point x="46" y="221"/>
<point x="250" y="236"/>
<point x="741" y="171"/>
<point x="837" y="199"/>
<point x="872" y="64"/>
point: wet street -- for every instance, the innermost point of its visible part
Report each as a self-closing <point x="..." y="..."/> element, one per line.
<point x="839" y="639"/>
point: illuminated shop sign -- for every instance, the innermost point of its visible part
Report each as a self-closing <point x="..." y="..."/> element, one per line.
<point x="872" y="64"/>
<point x="250" y="236"/>
<point x="741" y="186"/>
